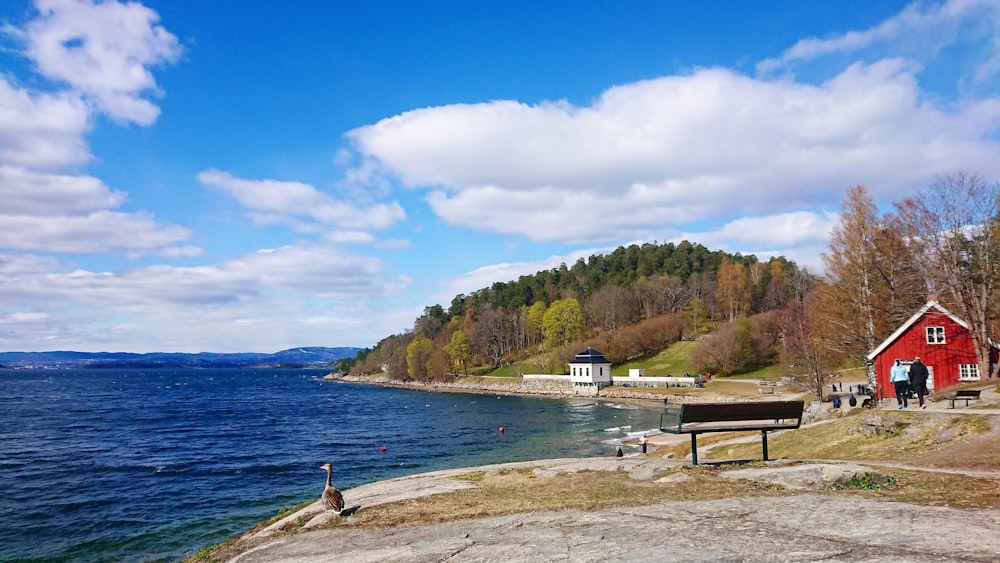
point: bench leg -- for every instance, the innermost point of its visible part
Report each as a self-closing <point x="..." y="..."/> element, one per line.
<point x="763" y="440"/>
<point x="694" y="449"/>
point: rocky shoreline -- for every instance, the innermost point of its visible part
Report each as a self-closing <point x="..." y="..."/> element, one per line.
<point x="518" y="387"/>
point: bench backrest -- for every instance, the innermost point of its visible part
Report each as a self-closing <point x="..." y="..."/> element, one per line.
<point x="729" y="412"/>
<point x="967" y="393"/>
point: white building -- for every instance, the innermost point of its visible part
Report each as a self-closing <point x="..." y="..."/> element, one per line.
<point x="589" y="372"/>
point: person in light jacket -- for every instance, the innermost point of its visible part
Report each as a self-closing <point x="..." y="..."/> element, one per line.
<point x="899" y="376"/>
<point x="918" y="379"/>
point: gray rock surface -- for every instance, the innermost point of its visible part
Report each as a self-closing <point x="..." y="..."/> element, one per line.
<point x="805" y="527"/>
<point x="807" y="476"/>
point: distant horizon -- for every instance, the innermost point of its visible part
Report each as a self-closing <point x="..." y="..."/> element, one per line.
<point x="256" y="355"/>
<point x="203" y="176"/>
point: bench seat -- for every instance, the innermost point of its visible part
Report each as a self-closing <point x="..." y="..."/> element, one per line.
<point x="963" y="395"/>
<point x="700" y="418"/>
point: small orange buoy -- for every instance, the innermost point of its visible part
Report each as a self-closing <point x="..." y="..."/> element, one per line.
<point x="501" y="429"/>
<point x="383" y="448"/>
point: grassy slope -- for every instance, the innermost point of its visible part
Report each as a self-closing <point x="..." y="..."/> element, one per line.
<point x="673" y="360"/>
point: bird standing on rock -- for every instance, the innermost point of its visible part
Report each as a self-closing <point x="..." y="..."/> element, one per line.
<point x="332" y="499"/>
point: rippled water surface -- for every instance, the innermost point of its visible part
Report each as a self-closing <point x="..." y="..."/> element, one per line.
<point x="127" y="465"/>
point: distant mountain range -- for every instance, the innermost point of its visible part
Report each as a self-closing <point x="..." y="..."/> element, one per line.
<point x="293" y="357"/>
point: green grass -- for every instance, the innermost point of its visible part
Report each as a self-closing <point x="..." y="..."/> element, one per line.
<point x="773" y="372"/>
<point x="513" y="370"/>
<point x="672" y="360"/>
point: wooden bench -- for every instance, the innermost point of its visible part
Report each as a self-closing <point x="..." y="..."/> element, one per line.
<point x="700" y="418"/>
<point x="963" y="395"/>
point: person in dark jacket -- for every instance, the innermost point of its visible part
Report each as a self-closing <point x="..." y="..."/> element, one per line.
<point x="918" y="380"/>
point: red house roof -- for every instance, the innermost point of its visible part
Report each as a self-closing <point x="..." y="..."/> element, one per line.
<point x="910" y="322"/>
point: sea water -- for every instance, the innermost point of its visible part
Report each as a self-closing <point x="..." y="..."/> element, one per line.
<point x="151" y="465"/>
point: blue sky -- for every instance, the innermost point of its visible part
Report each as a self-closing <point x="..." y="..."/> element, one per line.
<point x="252" y="176"/>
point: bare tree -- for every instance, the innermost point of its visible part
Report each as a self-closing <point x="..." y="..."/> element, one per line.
<point x="493" y="333"/>
<point x="873" y="279"/>
<point x="955" y="221"/>
<point x="611" y="307"/>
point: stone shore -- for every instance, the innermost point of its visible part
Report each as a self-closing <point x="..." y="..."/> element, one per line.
<point x="807" y="526"/>
<point x="524" y="387"/>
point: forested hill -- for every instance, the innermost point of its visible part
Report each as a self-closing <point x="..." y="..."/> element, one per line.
<point x="665" y="289"/>
<point x="623" y="267"/>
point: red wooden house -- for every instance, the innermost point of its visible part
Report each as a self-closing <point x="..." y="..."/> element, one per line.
<point x="940" y="339"/>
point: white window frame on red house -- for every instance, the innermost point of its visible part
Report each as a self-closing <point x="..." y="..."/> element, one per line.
<point x="935" y="334"/>
<point x="968" y="372"/>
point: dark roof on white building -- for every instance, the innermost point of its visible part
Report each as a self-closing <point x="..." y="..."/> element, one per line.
<point x="590" y="356"/>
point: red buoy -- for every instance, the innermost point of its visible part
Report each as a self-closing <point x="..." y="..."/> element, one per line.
<point x="501" y="429"/>
<point x="383" y="448"/>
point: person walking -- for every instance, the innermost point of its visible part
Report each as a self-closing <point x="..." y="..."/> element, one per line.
<point x="918" y="380"/>
<point x="643" y="440"/>
<point x="900" y="379"/>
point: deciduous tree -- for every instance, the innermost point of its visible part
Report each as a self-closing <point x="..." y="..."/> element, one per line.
<point x="563" y="322"/>
<point x="871" y="283"/>
<point x="418" y="352"/>
<point x="460" y="351"/>
<point x="956" y="223"/>
<point x="734" y="290"/>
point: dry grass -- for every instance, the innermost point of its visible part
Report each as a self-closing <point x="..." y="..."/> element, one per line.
<point x="736" y="389"/>
<point x="938" y="489"/>
<point x="517" y="492"/>
<point x="948" y="441"/>
<point x="919" y="436"/>
<point x="521" y="492"/>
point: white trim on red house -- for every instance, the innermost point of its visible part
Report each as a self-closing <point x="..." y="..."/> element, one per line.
<point x="911" y="321"/>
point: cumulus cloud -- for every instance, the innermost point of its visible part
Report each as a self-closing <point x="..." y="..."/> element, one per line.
<point x="302" y="206"/>
<point x="792" y="229"/>
<point x="99" y="53"/>
<point x="26" y="192"/>
<point x="102" y="50"/>
<point x="678" y="150"/>
<point x="51" y="212"/>
<point x="42" y="131"/>
<point x="256" y="296"/>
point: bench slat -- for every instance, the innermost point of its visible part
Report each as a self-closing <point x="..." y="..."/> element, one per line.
<point x="699" y="418"/>
<point x="723" y="412"/>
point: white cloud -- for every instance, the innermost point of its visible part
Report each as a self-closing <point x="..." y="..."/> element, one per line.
<point x="50" y="212"/>
<point x="103" y="50"/>
<point x="40" y="194"/>
<point x="393" y="244"/>
<point x="782" y="230"/>
<point x="353" y="237"/>
<point x="99" y="53"/>
<point x="680" y="150"/>
<point x="98" y="232"/>
<point x="921" y="30"/>
<point x="253" y="301"/>
<point x="300" y="205"/>
<point x="42" y="131"/>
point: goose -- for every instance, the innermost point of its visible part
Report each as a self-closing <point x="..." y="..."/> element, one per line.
<point x="332" y="499"/>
